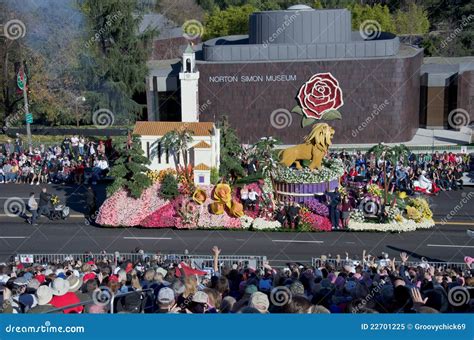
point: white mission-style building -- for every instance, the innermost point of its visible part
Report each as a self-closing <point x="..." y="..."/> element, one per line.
<point x="204" y="150"/>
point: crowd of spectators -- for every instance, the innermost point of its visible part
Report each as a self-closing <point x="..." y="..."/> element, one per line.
<point x="429" y="171"/>
<point x="75" y="160"/>
<point x="155" y="285"/>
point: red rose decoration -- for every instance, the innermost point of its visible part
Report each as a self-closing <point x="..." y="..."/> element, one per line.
<point x="320" y="94"/>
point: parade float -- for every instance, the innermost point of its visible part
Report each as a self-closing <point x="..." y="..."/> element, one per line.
<point x="303" y="174"/>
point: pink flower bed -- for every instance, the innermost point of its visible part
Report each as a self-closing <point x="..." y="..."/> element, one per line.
<point x="123" y="210"/>
<point x="164" y="217"/>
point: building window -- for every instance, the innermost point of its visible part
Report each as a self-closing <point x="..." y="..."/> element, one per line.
<point x="188" y="66"/>
<point x="167" y="156"/>
<point x="148" y="150"/>
<point x="201" y="179"/>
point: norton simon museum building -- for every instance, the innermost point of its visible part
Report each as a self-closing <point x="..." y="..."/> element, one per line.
<point x="388" y="91"/>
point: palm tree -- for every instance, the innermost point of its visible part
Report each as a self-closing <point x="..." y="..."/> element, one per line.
<point x="177" y="142"/>
<point x="393" y="154"/>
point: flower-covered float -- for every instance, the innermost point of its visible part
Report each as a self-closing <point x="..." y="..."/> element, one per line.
<point x="292" y="181"/>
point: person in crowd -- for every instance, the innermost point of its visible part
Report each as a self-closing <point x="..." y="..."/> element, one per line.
<point x="334" y="198"/>
<point x="244" y="196"/>
<point x="91" y="204"/>
<point x="32" y="207"/>
<point x="44" y="205"/>
<point x="346" y="208"/>
<point x="293" y="216"/>
<point x="253" y="199"/>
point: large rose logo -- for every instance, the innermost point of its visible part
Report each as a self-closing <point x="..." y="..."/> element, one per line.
<point x="320" y="94"/>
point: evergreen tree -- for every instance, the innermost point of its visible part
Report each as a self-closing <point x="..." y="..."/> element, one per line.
<point x="129" y="170"/>
<point x="113" y="63"/>
<point x="231" y="151"/>
<point x="169" y="187"/>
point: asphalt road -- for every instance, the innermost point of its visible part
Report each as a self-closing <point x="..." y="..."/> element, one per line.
<point x="445" y="242"/>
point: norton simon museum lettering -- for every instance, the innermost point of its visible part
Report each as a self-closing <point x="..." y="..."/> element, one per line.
<point x="381" y="98"/>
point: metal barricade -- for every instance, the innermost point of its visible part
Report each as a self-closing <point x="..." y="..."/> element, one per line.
<point x="318" y="262"/>
<point x="58" y="258"/>
<point x="199" y="261"/>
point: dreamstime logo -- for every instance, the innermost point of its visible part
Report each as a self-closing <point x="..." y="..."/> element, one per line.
<point x="14" y="29"/>
<point x="375" y="112"/>
<point x="205" y="106"/>
<point x="14" y="206"/>
<point x="281" y="118"/>
<point x="192" y="29"/>
<point x="458" y="296"/>
<point x="108" y="23"/>
<point x="102" y="296"/>
<point x="458" y="118"/>
<point x="280" y="296"/>
<point x="458" y="207"/>
<point x="369" y="297"/>
<point x="457" y="31"/>
<point x="288" y="21"/>
<point x="13" y="119"/>
<point x="370" y="29"/>
<point x="370" y="207"/>
<point x="103" y="118"/>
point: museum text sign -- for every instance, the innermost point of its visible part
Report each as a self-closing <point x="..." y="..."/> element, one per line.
<point x="252" y="78"/>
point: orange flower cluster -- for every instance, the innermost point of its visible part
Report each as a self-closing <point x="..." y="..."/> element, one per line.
<point x="223" y="199"/>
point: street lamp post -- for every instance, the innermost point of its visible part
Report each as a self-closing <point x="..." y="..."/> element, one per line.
<point x="81" y="99"/>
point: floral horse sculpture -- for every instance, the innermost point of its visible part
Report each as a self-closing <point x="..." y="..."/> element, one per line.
<point x="315" y="147"/>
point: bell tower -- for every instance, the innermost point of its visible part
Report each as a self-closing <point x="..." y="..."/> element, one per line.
<point x="189" y="78"/>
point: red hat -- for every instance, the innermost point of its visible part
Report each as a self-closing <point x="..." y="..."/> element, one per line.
<point x="189" y="271"/>
<point x="113" y="278"/>
<point x="40" y="278"/>
<point x="90" y="262"/>
<point x="20" y="266"/>
<point x="88" y="276"/>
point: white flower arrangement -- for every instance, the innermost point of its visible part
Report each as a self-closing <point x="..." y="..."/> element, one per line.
<point x="357" y="216"/>
<point x="405" y="225"/>
<point x="393" y="213"/>
<point x="331" y="170"/>
<point x="261" y="224"/>
<point x="246" y="221"/>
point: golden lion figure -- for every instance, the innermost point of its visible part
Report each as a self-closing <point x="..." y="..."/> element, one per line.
<point x="315" y="146"/>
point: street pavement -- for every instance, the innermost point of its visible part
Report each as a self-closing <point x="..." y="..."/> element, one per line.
<point x="447" y="241"/>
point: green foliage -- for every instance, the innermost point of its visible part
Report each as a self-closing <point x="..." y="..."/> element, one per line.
<point x="169" y="187"/>
<point x="412" y="21"/>
<point x="112" y="65"/>
<point x="129" y="170"/>
<point x="379" y="13"/>
<point x="214" y="175"/>
<point x="231" y="151"/>
<point x="177" y="142"/>
<point x="230" y="21"/>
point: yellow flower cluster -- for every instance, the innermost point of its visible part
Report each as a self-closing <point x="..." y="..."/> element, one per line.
<point x="55" y="200"/>
<point x="374" y="190"/>
<point x="414" y="214"/>
<point x="157" y="176"/>
<point x="222" y="199"/>
<point x="421" y="206"/>
<point x="399" y="218"/>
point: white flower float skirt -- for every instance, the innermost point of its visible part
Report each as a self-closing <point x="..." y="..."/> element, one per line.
<point x="405" y="225"/>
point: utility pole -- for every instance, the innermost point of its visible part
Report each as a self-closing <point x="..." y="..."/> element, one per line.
<point x="21" y="80"/>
